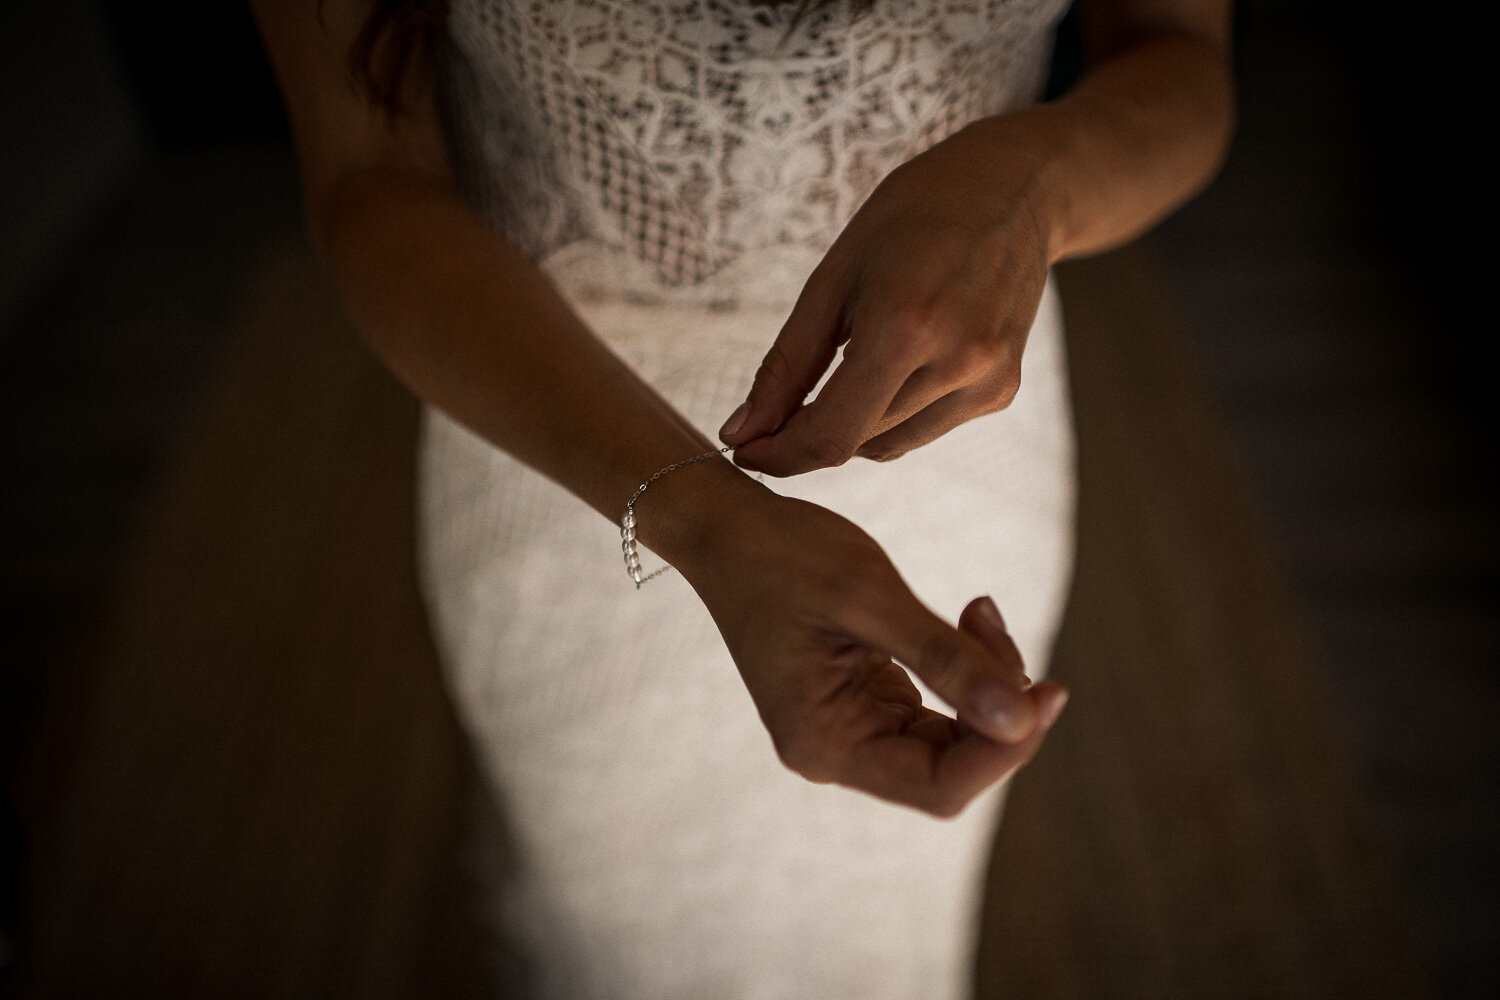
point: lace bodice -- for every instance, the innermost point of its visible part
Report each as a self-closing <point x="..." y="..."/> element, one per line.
<point x="710" y="151"/>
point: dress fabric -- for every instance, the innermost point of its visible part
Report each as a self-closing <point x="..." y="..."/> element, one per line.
<point x="678" y="169"/>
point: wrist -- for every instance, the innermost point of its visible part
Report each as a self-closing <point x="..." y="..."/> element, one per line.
<point x="684" y="515"/>
<point x="1035" y="157"/>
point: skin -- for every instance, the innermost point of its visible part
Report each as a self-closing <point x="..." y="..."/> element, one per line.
<point x="933" y="285"/>
<point x="931" y="288"/>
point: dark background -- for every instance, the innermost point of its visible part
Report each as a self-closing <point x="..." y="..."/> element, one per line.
<point x="1336" y="276"/>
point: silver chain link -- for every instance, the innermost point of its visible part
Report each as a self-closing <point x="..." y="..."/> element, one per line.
<point x="627" y="522"/>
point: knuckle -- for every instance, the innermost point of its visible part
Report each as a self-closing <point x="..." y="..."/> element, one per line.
<point x="775" y="368"/>
<point x="1004" y="388"/>
<point x="997" y="390"/>
<point x="975" y="360"/>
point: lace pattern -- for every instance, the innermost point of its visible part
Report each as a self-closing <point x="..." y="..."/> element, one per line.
<point x="708" y="151"/>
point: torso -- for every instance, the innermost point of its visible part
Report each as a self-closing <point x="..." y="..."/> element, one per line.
<point x="707" y="150"/>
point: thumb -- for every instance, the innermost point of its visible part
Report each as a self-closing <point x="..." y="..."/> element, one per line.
<point x="981" y="690"/>
<point x="803" y="350"/>
<point x="980" y="682"/>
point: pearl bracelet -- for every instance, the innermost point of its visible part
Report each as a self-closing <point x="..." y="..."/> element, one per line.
<point x="627" y="523"/>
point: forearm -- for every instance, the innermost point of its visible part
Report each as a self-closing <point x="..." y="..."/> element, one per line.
<point x="476" y="329"/>
<point x="1145" y="130"/>
<point x="1149" y="127"/>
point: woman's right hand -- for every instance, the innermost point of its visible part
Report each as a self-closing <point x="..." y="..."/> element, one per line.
<point x="817" y="620"/>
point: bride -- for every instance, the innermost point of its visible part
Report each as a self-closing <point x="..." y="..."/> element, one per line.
<point x="596" y="235"/>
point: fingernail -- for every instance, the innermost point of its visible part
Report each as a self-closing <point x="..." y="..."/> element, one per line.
<point x="990" y="613"/>
<point x="995" y="711"/>
<point x="1051" y="714"/>
<point x="735" y="422"/>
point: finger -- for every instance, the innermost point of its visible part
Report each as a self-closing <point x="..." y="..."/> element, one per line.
<point x="935" y="420"/>
<point x="828" y="431"/>
<point x="910" y="770"/>
<point x="792" y="367"/>
<point x="1052" y="698"/>
<point x="881" y="682"/>
<point x="981" y="686"/>
<point x="982" y="618"/>
<point x="1049" y="698"/>
<point x="939" y="767"/>
<point x="920" y="391"/>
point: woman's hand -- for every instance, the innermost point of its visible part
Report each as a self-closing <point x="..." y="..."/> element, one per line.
<point x="931" y="289"/>
<point x="933" y="285"/>
<point x="817" y="619"/>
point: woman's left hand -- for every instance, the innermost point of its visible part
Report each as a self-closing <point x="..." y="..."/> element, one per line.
<point x="931" y="289"/>
<point x="932" y="286"/>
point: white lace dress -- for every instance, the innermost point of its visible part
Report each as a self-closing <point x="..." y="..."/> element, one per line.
<point x="678" y="167"/>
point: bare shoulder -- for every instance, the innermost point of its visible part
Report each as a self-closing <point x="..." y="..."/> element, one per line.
<point x="338" y="129"/>
<point x="1115" y="23"/>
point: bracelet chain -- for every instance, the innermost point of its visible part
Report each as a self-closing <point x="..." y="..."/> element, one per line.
<point x="627" y="523"/>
